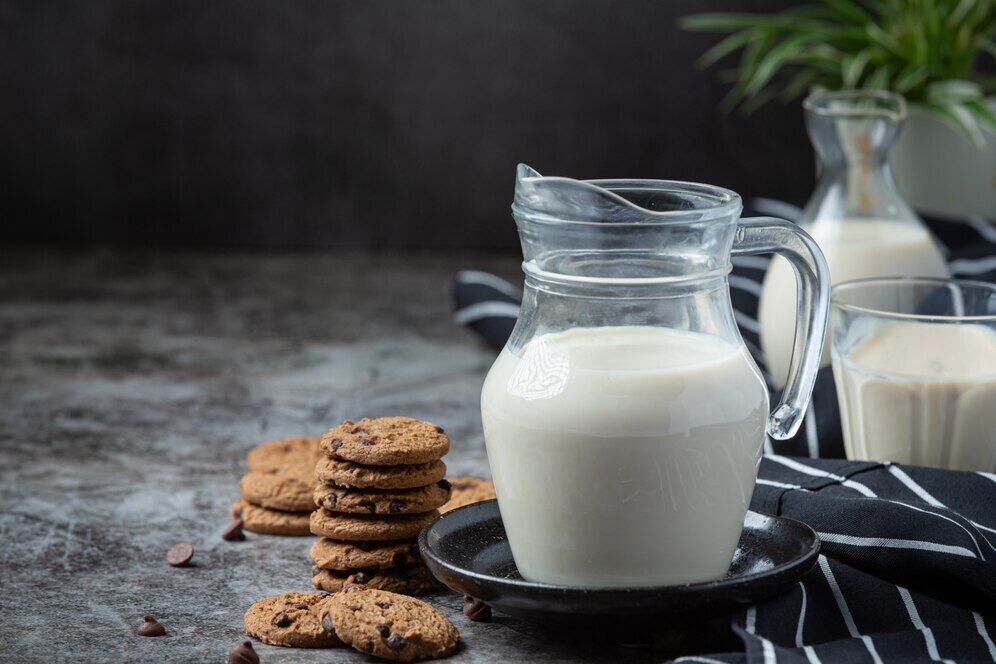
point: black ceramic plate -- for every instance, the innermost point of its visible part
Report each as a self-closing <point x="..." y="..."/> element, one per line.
<point x="467" y="550"/>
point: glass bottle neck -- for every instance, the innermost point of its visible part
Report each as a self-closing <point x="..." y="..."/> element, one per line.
<point x="852" y="143"/>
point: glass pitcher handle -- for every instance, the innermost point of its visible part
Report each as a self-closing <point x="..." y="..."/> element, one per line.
<point x="764" y="235"/>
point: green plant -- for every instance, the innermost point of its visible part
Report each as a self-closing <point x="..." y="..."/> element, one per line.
<point x="925" y="50"/>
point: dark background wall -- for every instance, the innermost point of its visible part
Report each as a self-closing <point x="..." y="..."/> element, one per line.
<point x="350" y="123"/>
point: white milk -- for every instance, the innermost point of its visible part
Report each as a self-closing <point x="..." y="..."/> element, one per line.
<point x="921" y="393"/>
<point x="854" y="249"/>
<point x="624" y="456"/>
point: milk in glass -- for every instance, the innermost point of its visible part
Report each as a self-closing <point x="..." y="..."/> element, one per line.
<point x="922" y="394"/>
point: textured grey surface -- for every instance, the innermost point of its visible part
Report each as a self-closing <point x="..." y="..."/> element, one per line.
<point x="131" y="386"/>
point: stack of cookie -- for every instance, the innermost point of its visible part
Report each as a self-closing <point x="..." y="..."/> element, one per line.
<point x="380" y="481"/>
<point x="375" y="622"/>
<point x="278" y="491"/>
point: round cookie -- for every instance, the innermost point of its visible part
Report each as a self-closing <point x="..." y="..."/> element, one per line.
<point x="468" y="490"/>
<point x="303" y="451"/>
<point x="333" y="554"/>
<point x="346" y="473"/>
<point x="411" y="580"/>
<point x="290" y="489"/>
<point x="386" y="441"/>
<point x="369" y="527"/>
<point x="298" y="620"/>
<point x="392" y="626"/>
<point x="271" y="522"/>
<point x="382" y="501"/>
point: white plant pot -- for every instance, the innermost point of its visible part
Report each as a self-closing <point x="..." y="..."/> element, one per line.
<point x="940" y="172"/>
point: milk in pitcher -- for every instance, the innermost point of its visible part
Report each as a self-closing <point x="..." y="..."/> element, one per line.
<point x="624" y="456"/>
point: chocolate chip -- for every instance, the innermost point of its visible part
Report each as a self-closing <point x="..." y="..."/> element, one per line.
<point x="361" y="578"/>
<point x="369" y="506"/>
<point x="366" y="442"/>
<point x="439" y="429"/>
<point x="336" y="444"/>
<point x="180" y="554"/>
<point x="282" y="620"/>
<point x="299" y="605"/>
<point x="384" y="630"/>
<point x="395" y="642"/>
<point x="361" y="432"/>
<point x="445" y="484"/>
<point x="476" y="610"/>
<point x="327" y="623"/>
<point x="354" y="607"/>
<point x="242" y="653"/>
<point x="397" y="506"/>
<point x="234" y="532"/>
<point x="331" y="500"/>
<point x="384" y="605"/>
<point x="150" y="627"/>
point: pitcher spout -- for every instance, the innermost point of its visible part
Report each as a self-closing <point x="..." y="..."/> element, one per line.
<point x="622" y="201"/>
<point x="627" y="228"/>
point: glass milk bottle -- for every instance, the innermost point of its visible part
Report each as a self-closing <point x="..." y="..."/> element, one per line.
<point x="856" y="213"/>
<point x="624" y="419"/>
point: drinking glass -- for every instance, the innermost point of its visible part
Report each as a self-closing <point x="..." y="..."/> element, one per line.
<point x="914" y="362"/>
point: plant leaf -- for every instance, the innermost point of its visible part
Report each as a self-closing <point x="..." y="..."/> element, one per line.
<point x="853" y="67"/>
<point x="726" y="46"/>
<point x="983" y="112"/>
<point x="879" y="79"/>
<point x="911" y="78"/>
<point x="799" y="84"/>
<point x="961" y="119"/>
<point x="852" y="11"/>
<point x="775" y="59"/>
<point x="953" y="91"/>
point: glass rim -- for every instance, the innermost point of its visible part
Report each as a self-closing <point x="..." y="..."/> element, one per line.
<point x="839" y="289"/>
<point x="816" y="103"/>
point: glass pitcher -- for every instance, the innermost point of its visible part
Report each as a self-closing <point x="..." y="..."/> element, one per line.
<point x="624" y="419"/>
<point x="856" y="213"/>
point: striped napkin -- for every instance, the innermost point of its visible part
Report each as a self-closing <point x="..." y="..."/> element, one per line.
<point x="907" y="571"/>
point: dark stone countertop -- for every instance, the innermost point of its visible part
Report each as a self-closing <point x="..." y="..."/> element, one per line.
<point x="131" y="386"/>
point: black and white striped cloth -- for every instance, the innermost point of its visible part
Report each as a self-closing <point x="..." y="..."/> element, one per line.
<point x="907" y="571"/>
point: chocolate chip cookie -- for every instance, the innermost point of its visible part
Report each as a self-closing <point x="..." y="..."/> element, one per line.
<point x="392" y="626"/>
<point x="382" y="501"/>
<point x="299" y="620"/>
<point x="301" y="450"/>
<point x="368" y="527"/>
<point x="334" y="554"/>
<point x="290" y="488"/>
<point x="271" y="522"/>
<point x="410" y="580"/>
<point x="467" y="490"/>
<point x="405" y="476"/>
<point x="386" y="441"/>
